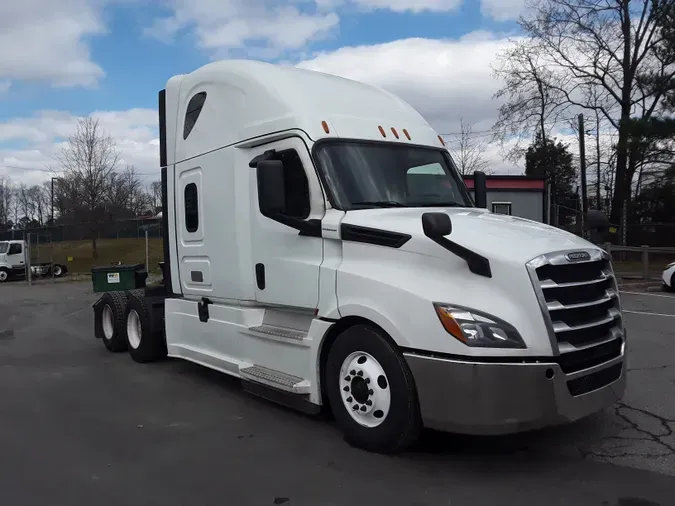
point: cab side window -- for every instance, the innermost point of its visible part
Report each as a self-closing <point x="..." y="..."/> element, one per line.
<point x="191" y="208"/>
<point x="15" y="249"/>
<point x="296" y="184"/>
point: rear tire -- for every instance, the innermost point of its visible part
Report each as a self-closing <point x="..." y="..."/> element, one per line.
<point x="59" y="270"/>
<point x="109" y="321"/>
<point x="372" y="392"/>
<point x="144" y="343"/>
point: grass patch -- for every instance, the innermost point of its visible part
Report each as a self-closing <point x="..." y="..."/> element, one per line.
<point x="110" y="252"/>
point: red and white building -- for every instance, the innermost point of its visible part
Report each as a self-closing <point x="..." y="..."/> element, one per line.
<point x="523" y="196"/>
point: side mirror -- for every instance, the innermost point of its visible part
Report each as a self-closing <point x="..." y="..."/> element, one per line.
<point x="271" y="194"/>
<point x="436" y="225"/>
<point x="480" y="188"/>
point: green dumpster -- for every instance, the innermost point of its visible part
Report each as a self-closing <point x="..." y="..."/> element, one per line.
<point x="112" y="278"/>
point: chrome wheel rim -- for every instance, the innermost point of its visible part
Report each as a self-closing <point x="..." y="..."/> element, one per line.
<point x="134" y="329"/>
<point x="365" y="390"/>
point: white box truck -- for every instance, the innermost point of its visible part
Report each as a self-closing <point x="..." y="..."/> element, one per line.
<point x="320" y="245"/>
<point x="14" y="256"/>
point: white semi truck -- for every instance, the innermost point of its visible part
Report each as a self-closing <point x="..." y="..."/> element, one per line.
<point x="14" y="258"/>
<point x="320" y="245"/>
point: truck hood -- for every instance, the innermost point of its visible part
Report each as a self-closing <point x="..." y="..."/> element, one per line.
<point x="495" y="236"/>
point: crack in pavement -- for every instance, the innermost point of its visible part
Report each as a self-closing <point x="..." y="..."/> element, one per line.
<point x="653" y="430"/>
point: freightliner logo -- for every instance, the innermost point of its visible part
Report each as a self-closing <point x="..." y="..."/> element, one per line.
<point x="578" y="256"/>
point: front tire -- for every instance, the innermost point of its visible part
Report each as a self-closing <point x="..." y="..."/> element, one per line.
<point x="4" y="275"/>
<point x="144" y="343"/>
<point x="372" y="392"/>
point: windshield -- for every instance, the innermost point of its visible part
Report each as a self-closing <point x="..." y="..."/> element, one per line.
<point x="366" y="175"/>
<point x="4" y="246"/>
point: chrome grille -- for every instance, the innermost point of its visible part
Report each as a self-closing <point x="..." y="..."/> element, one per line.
<point x="579" y="299"/>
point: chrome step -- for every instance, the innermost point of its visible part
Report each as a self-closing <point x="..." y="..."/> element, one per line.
<point x="275" y="379"/>
<point x="271" y="330"/>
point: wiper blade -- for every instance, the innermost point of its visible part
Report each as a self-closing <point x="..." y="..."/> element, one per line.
<point x="380" y="203"/>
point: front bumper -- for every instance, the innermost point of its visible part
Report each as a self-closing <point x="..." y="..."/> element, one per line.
<point x="501" y="398"/>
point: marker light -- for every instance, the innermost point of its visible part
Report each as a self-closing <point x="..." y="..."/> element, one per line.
<point x="325" y="127"/>
<point x="393" y="130"/>
<point x="406" y="134"/>
<point x="382" y="131"/>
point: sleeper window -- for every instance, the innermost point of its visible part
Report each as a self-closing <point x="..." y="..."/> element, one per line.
<point x="193" y="111"/>
<point x="191" y="208"/>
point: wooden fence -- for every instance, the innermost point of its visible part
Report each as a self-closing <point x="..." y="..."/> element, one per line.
<point x="644" y="252"/>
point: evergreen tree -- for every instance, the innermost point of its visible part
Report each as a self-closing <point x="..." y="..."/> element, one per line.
<point x="551" y="159"/>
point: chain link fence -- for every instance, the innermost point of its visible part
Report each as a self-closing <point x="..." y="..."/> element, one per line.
<point x="117" y="242"/>
<point x="113" y="229"/>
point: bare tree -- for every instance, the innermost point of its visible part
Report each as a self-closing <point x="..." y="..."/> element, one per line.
<point x="6" y="198"/>
<point x="604" y="44"/>
<point x="468" y="151"/>
<point x="15" y="207"/>
<point x="156" y="195"/>
<point x="138" y="198"/>
<point x="531" y="105"/>
<point x="26" y="204"/>
<point x="127" y="196"/>
<point x="90" y="158"/>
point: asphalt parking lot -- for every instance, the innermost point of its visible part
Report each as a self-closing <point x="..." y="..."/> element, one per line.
<point x="80" y="426"/>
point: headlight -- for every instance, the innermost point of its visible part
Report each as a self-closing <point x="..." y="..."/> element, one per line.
<point x="477" y="329"/>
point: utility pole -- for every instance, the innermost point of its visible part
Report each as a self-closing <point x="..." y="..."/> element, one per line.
<point x="582" y="157"/>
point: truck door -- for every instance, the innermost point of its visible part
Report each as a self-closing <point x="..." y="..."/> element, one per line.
<point x="194" y="262"/>
<point x="16" y="256"/>
<point x="287" y="263"/>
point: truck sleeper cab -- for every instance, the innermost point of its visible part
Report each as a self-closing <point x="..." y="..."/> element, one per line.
<point x="321" y="246"/>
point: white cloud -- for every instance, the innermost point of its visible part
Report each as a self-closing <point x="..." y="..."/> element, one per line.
<point x="134" y="130"/>
<point x="268" y="28"/>
<point x="222" y="25"/>
<point x="443" y="79"/>
<point x="502" y="10"/>
<point x="410" y="5"/>
<point x="43" y="40"/>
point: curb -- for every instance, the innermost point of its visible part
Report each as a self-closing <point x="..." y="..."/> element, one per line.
<point x="647" y="286"/>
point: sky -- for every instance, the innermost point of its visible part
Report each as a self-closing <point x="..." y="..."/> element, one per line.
<point x="64" y="59"/>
